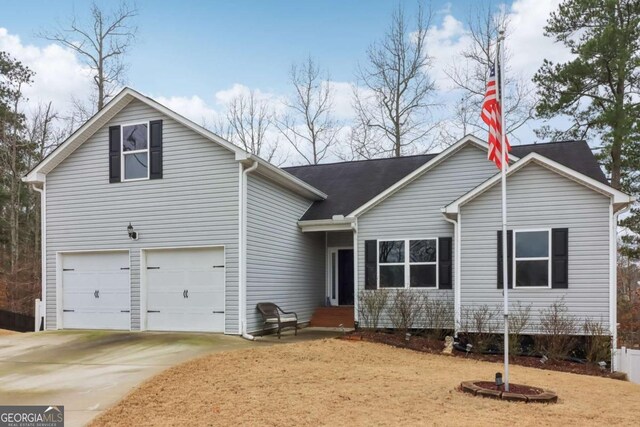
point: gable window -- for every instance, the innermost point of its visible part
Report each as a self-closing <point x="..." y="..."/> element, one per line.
<point x="532" y="268"/>
<point x="135" y="151"/>
<point x="408" y="263"/>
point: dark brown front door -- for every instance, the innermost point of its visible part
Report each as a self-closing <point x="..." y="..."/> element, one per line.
<point x="345" y="276"/>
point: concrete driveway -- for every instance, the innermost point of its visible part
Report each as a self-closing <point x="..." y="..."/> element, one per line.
<point x="89" y="371"/>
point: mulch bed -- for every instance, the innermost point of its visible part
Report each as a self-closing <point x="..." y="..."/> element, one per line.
<point x="435" y="346"/>
<point x="516" y="393"/>
<point x="513" y="388"/>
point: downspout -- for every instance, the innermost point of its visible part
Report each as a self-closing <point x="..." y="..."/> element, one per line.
<point x="356" y="288"/>
<point x="242" y="303"/>
<point x="457" y="309"/>
<point x="613" y="287"/>
<point x="43" y="252"/>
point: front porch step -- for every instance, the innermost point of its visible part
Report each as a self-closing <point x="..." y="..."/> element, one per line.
<point x="333" y="317"/>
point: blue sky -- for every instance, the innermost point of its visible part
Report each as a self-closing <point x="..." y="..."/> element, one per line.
<point x="194" y="55"/>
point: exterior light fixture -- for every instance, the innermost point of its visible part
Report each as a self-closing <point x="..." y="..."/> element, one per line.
<point x="133" y="235"/>
<point x="499" y="382"/>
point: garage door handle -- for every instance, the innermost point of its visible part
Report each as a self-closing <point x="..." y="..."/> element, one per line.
<point x="153" y="311"/>
<point x="153" y="268"/>
<point x="125" y="311"/>
<point x="68" y="269"/>
<point x="218" y="266"/>
<point x="124" y="268"/>
<point x="186" y="293"/>
<point x="218" y="312"/>
<point x="68" y="311"/>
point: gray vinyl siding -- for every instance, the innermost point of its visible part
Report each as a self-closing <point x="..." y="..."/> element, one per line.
<point x="284" y="265"/>
<point x="539" y="198"/>
<point x="195" y="204"/>
<point x="414" y="210"/>
<point x="340" y="239"/>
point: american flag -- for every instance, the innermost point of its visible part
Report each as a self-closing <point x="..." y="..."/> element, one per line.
<point x="491" y="113"/>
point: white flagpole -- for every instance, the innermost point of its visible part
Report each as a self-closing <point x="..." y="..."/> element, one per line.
<point x="503" y="175"/>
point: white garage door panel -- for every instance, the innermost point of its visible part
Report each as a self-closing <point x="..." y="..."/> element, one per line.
<point x="95" y="290"/>
<point x="185" y="289"/>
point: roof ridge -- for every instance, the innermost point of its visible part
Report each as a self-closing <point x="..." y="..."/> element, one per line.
<point x="423" y="155"/>
<point x="362" y="160"/>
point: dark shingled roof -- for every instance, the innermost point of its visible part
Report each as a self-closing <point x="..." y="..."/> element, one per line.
<point x="350" y="185"/>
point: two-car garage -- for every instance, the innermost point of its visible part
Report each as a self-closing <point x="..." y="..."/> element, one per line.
<point x="181" y="289"/>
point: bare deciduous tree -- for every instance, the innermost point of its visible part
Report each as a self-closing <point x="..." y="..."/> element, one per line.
<point x="246" y="124"/>
<point x="472" y="74"/>
<point x="101" y="45"/>
<point x="309" y="125"/>
<point x="393" y="99"/>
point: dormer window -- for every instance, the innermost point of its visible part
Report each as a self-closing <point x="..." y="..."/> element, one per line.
<point x="135" y="151"/>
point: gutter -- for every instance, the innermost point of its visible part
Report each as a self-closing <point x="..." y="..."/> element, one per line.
<point x="242" y="291"/>
<point x="457" y="304"/>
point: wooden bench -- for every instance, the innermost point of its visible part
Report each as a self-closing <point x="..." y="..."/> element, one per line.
<point x="274" y="315"/>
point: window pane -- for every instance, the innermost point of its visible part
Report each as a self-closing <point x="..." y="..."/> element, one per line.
<point x="134" y="137"/>
<point x="392" y="251"/>
<point x="531" y="244"/>
<point x="423" y="276"/>
<point x="532" y="273"/>
<point x="135" y="166"/>
<point x="422" y="250"/>
<point x="392" y="276"/>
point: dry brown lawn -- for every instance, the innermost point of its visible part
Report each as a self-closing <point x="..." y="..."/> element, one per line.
<point x="7" y="332"/>
<point x="334" y="382"/>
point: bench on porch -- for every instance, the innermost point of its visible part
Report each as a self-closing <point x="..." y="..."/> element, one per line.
<point x="274" y="315"/>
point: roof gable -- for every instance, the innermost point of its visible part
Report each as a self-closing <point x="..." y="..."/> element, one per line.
<point x="619" y="198"/>
<point x="124" y="98"/>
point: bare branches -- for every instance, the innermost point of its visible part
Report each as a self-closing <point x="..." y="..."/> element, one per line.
<point x="247" y="121"/>
<point x="101" y="45"/>
<point x="393" y="97"/>
<point x="471" y="76"/>
<point x="309" y="125"/>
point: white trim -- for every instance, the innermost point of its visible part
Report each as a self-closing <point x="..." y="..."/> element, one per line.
<point x="314" y="225"/>
<point x="123" y="178"/>
<point x="59" y="284"/>
<point x="120" y="101"/>
<point x="356" y="263"/>
<point x="457" y="307"/>
<point x="617" y="196"/>
<point x="439" y="158"/>
<point x="515" y="258"/>
<point x="144" y="287"/>
<point x="329" y="251"/>
<point x="407" y="262"/>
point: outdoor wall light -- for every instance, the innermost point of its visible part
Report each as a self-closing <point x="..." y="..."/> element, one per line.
<point x="133" y="235"/>
<point x="499" y="379"/>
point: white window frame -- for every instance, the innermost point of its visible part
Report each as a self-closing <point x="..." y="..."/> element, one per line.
<point x="407" y="262"/>
<point x="547" y="258"/>
<point x="123" y="153"/>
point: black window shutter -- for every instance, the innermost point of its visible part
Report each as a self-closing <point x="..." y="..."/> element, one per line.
<point x="509" y="258"/>
<point x="370" y="264"/>
<point x="445" y="264"/>
<point x="560" y="258"/>
<point x="114" y="154"/>
<point x="155" y="150"/>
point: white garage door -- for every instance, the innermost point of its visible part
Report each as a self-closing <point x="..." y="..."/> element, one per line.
<point x="185" y="290"/>
<point x="95" y="290"/>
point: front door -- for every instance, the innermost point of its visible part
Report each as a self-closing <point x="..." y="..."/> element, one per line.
<point x="340" y="286"/>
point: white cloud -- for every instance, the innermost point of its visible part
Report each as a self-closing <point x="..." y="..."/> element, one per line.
<point x="444" y="44"/>
<point x="526" y="42"/>
<point x="193" y="107"/>
<point x="58" y="73"/>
